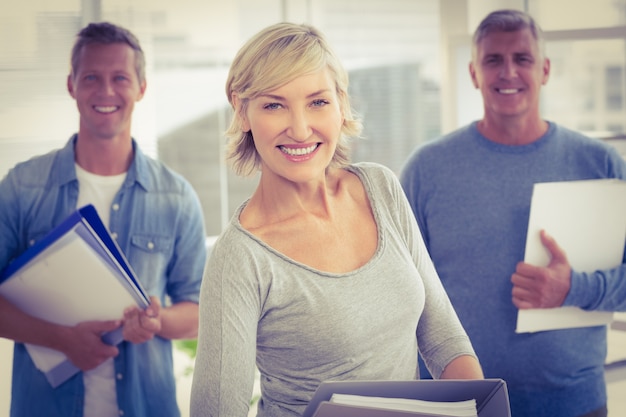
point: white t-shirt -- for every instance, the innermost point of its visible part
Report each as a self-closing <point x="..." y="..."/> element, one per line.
<point x="100" y="393"/>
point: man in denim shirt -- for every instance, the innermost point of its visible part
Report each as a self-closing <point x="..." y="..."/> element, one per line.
<point x="153" y="214"/>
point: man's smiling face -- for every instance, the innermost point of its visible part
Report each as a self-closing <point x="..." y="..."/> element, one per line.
<point x="509" y="69"/>
<point x="106" y="87"/>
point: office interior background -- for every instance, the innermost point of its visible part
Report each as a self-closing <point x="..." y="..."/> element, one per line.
<point x="408" y="66"/>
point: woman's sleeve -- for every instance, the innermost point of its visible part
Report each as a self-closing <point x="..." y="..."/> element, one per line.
<point x="229" y="312"/>
<point x="440" y="335"/>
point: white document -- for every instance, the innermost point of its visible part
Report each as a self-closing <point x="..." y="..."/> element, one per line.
<point x="66" y="284"/>
<point x="588" y="221"/>
<point x="466" y="408"/>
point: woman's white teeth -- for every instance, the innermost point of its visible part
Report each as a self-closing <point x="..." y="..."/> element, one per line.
<point x="508" y="90"/>
<point x="298" y="151"/>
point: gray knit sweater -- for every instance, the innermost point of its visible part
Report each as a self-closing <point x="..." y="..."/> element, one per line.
<point x="301" y="326"/>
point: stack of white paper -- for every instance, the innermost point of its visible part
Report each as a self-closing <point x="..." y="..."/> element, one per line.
<point x="437" y="408"/>
<point x="588" y="221"/>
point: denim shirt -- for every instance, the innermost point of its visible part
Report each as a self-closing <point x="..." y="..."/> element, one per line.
<point x="157" y="221"/>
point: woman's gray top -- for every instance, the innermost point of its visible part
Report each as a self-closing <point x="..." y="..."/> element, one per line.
<point x="301" y="326"/>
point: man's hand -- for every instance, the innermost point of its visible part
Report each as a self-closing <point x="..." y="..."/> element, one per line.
<point x="85" y="347"/>
<point x="141" y="325"/>
<point x="542" y="287"/>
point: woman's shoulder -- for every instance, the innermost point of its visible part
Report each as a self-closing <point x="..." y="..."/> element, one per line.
<point x="379" y="180"/>
<point x="373" y="170"/>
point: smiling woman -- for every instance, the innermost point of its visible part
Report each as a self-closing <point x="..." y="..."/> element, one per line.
<point x="314" y="266"/>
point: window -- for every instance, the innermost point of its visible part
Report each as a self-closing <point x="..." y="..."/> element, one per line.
<point x="614" y="87"/>
<point x="590" y="46"/>
<point x="390" y="48"/>
<point x="586" y="85"/>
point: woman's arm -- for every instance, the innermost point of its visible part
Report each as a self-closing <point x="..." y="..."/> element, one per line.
<point x="463" y="367"/>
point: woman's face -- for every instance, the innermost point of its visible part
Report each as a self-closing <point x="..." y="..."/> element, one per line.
<point x="296" y="127"/>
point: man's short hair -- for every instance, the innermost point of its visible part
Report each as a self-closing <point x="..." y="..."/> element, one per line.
<point x="507" y="20"/>
<point x="108" y="33"/>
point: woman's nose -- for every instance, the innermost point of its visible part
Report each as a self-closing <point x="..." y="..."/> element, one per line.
<point x="299" y="127"/>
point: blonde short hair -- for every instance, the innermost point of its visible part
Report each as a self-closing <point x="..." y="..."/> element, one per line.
<point x="273" y="57"/>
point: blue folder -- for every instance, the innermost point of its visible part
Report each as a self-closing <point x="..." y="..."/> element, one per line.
<point x="104" y="254"/>
<point x="491" y="395"/>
